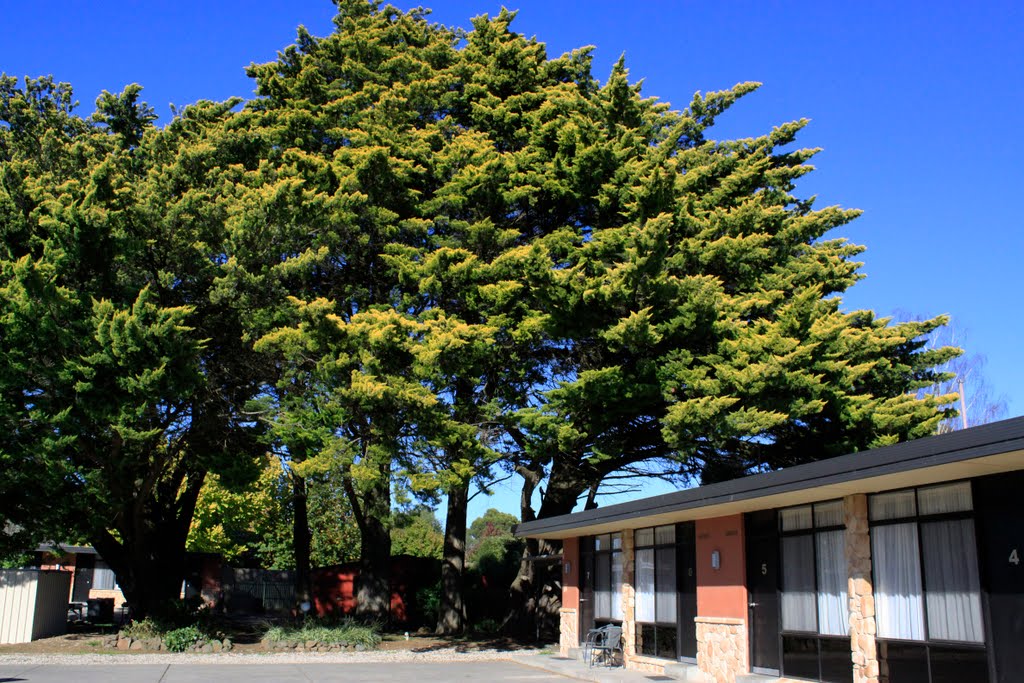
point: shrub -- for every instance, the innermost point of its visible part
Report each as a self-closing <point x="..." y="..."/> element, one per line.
<point x="181" y="639"/>
<point x="142" y="630"/>
<point x="345" y="632"/>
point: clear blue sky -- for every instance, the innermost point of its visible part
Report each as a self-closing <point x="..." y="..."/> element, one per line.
<point x="919" y="107"/>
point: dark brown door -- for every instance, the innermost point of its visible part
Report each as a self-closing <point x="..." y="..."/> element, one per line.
<point x="686" y="565"/>
<point x="586" y="594"/>
<point x="763" y="590"/>
<point x="1000" y="526"/>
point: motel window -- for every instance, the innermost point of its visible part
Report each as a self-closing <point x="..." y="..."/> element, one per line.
<point x="656" y="613"/>
<point x="103" y="576"/>
<point x="814" y="604"/>
<point x="928" y="607"/>
<point x="607" y="550"/>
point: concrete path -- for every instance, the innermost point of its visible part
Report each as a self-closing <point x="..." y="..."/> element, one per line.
<point x="524" y="669"/>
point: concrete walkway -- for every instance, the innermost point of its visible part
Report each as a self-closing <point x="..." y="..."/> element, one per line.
<point x="519" y="669"/>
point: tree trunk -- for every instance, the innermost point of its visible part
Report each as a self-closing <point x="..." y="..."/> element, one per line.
<point x="451" y="619"/>
<point x="301" y="539"/>
<point x="372" y="511"/>
<point x="536" y="592"/>
<point x="149" y="558"/>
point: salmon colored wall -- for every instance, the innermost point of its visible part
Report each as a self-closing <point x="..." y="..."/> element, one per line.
<point x="721" y="592"/>
<point x="571" y="581"/>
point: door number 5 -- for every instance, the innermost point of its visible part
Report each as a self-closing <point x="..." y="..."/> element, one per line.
<point x="764" y="568"/>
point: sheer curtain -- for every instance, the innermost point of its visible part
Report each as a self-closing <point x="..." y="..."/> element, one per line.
<point x="602" y="586"/>
<point x="833" y="606"/>
<point x="954" y="594"/>
<point x="617" y="586"/>
<point x="798" y="599"/>
<point x="645" y="606"/>
<point x="666" y="598"/>
<point x="898" y="605"/>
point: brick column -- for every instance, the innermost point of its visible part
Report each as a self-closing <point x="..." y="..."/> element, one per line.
<point x="628" y="596"/>
<point x="862" y="601"/>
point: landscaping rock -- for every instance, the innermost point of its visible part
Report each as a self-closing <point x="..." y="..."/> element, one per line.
<point x="207" y="648"/>
<point x="217" y="645"/>
<point x="136" y="645"/>
<point x="124" y="643"/>
<point x="227" y="644"/>
<point x="360" y="647"/>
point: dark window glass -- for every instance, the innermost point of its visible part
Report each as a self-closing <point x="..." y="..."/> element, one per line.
<point x="800" y="657"/>
<point x="836" y="662"/>
<point x="667" y="642"/>
<point x="648" y="640"/>
<point x="903" y="662"/>
<point x="956" y="665"/>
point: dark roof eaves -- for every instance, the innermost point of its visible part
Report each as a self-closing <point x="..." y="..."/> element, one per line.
<point x="967" y="444"/>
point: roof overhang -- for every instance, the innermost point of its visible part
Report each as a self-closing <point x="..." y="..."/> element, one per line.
<point x="980" y="451"/>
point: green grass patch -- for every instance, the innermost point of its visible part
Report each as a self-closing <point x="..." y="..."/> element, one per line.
<point x="345" y="632"/>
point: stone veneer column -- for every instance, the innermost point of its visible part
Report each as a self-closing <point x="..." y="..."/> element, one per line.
<point x="628" y="597"/>
<point x="862" y="601"/>
<point x="568" y="635"/>
<point x="722" y="648"/>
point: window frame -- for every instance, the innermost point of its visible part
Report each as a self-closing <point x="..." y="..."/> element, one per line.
<point x="811" y="532"/>
<point x="605" y="555"/>
<point x="673" y="548"/>
<point x="918" y="519"/>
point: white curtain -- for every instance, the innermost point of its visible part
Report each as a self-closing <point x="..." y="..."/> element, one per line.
<point x="833" y="606"/>
<point x="936" y="500"/>
<point x="829" y="514"/>
<point x="666" y="598"/>
<point x="617" y="586"/>
<point x="602" y="588"/>
<point x="645" y="605"/>
<point x="892" y="505"/>
<point x="898" y="605"/>
<point x="798" y="599"/>
<point x="795" y="519"/>
<point x="951" y="575"/>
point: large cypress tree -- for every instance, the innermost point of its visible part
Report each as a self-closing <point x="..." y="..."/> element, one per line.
<point x="122" y="378"/>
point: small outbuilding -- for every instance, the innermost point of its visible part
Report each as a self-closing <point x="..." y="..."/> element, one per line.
<point x="894" y="565"/>
<point x="33" y="604"/>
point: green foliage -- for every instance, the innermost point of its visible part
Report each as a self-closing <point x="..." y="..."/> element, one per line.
<point x="421" y="254"/>
<point x="143" y="629"/>
<point x="345" y="632"/>
<point x="15" y="560"/>
<point x="181" y="639"/>
<point x="417" y="532"/>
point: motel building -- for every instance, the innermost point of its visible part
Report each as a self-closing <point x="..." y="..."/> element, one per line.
<point x="900" y="564"/>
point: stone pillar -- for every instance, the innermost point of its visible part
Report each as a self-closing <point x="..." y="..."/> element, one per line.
<point x="628" y="597"/>
<point x="862" y="601"/>
<point x="722" y="648"/>
<point x="568" y="635"/>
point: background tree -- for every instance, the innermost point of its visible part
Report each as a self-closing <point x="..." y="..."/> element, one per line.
<point x="417" y="532"/>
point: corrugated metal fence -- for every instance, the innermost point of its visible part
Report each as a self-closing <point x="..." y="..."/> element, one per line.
<point x="33" y="604"/>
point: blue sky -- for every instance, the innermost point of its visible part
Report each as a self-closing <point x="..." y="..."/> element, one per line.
<point x="917" y="106"/>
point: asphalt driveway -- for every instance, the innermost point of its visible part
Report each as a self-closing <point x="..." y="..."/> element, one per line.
<point x="426" y="672"/>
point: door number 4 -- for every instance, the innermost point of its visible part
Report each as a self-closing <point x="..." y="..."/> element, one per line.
<point x="1014" y="557"/>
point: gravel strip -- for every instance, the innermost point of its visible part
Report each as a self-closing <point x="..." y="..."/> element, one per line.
<point x="441" y="655"/>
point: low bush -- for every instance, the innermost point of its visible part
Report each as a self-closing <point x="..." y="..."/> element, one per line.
<point x="345" y="632"/>
<point x="181" y="639"/>
<point x="143" y="629"/>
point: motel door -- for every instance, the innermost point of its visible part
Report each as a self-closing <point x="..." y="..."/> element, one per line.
<point x="1001" y="540"/>
<point x="762" y="590"/>
<point x="586" y="594"/>
<point x="686" y="562"/>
